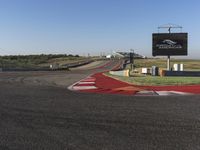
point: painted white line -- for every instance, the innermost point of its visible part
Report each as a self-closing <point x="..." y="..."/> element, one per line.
<point x="160" y="93"/>
<point x="165" y="93"/>
<point x="84" y="87"/>
<point x="71" y="86"/>
<point x="182" y="93"/>
<point x="146" y="93"/>
<point x="86" y="82"/>
<point x="78" y="86"/>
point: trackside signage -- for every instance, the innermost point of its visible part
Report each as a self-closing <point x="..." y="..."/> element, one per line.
<point x="169" y="44"/>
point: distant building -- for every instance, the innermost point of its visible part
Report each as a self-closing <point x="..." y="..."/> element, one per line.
<point x="124" y="55"/>
<point x="127" y="55"/>
<point x="109" y="56"/>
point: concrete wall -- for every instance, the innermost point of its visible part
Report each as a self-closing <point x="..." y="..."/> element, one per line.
<point x="120" y="73"/>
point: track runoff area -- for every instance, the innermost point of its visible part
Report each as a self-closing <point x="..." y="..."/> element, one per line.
<point x="102" y="84"/>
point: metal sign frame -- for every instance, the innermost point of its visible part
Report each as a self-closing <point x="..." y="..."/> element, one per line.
<point x="173" y="44"/>
<point x="170" y="44"/>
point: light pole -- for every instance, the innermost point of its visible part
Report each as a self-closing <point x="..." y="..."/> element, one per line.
<point x="132" y="58"/>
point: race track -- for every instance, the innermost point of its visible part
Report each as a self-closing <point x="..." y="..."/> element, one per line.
<point x="37" y="111"/>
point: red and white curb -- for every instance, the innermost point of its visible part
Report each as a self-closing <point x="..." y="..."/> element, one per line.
<point x="89" y="83"/>
<point x="84" y="84"/>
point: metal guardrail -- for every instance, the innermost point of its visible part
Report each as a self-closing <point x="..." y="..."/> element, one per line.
<point x="73" y="65"/>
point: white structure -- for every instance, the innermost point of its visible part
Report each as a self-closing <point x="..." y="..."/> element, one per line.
<point x="145" y="71"/>
<point x="109" y="56"/>
<point x="178" y="67"/>
<point x="181" y="67"/>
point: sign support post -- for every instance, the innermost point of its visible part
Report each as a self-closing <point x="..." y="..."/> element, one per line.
<point x="168" y="62"/>
<point x="168" y="58"/>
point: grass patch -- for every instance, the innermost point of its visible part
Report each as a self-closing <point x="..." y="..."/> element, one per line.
<point x="37" y="61"/>
<point x="156" y="80"/>
<point x="139" y="79"/>
<point x="189" y="64"/>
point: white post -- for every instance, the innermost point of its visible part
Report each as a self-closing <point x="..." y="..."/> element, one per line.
<point x="168" y="63"/>
<point x="181" y="67"/>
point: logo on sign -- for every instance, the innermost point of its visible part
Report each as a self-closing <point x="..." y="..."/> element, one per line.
<point x="169" y="44"/>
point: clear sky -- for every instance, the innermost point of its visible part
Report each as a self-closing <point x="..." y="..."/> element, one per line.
<point x="92" y="26"/>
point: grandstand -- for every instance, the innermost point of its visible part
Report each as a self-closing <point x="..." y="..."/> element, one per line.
<point x="127" y="55"/>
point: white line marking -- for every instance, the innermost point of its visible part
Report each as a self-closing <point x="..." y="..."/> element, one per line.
<point x="78" y="86"/>
<point x="146" y="93"/>
<point x="86" y="82"/>
<point x="160" y="93"/>
<point x="165" y="93"/>
<point x="84" y="87"/>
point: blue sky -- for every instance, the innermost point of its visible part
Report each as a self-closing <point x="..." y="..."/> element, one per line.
<point x="92" y="26"/>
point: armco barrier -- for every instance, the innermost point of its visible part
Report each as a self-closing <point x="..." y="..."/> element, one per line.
<point x="77" y="64"/>
<point x="120" y="73"/>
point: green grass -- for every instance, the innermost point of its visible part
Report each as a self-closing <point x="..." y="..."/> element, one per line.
<point x="139" y="79"/>
<point x="156" y="80"/>
<point x="189" y="64"/>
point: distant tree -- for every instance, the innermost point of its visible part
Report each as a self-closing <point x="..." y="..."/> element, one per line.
<point x="70" y="55"/>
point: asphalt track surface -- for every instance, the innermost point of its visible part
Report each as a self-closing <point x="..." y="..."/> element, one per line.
<point x="38" y="112"/>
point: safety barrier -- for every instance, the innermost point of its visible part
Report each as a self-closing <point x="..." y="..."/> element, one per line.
<point x="120" y="73"/>
<point x="183" y="73"/>
<point x="162" y="72"/>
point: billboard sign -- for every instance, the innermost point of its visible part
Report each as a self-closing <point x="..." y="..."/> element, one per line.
<point x="169" y="44"/>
